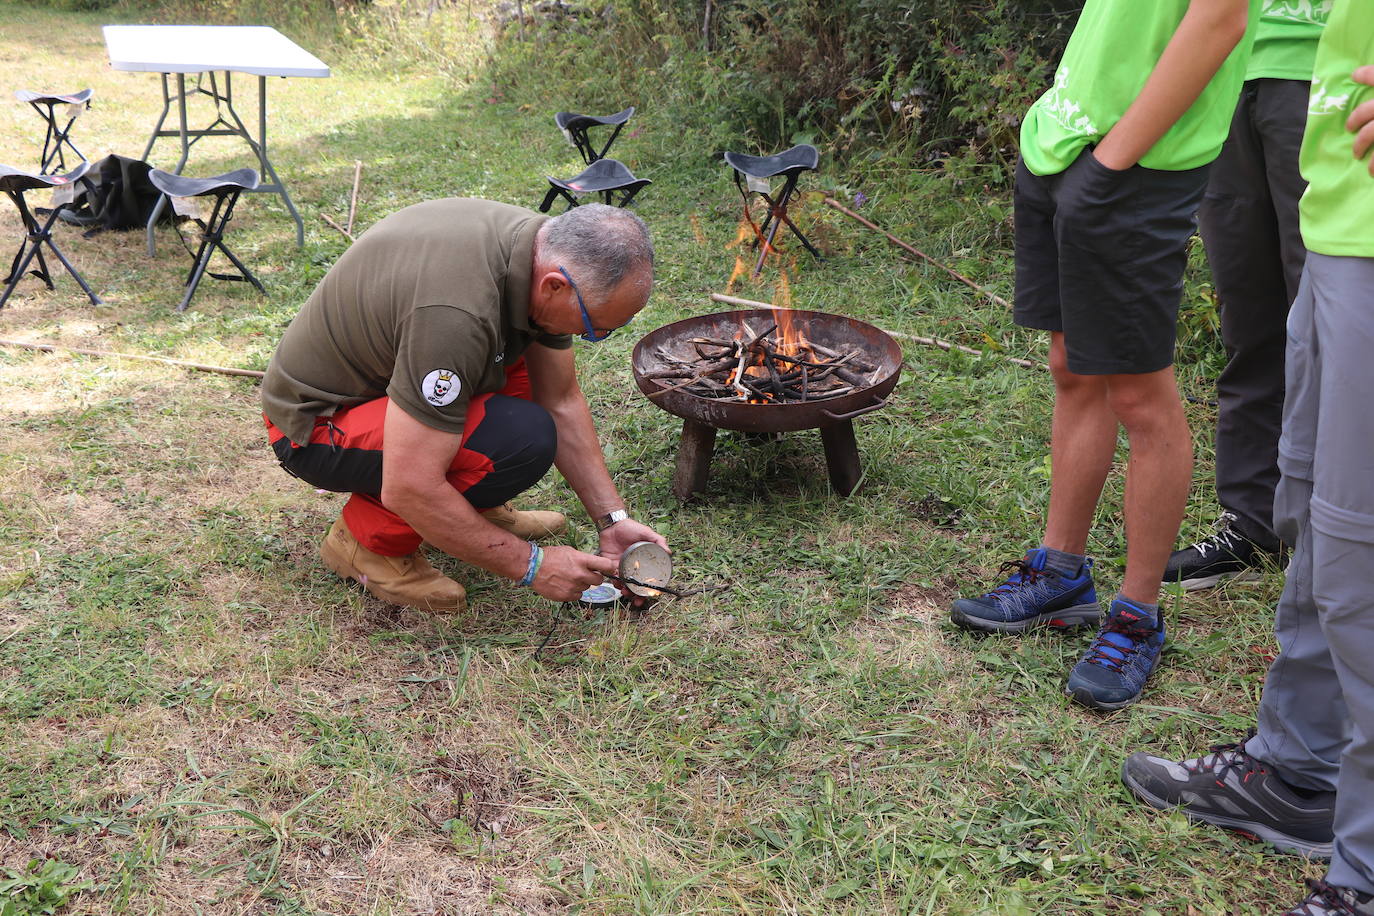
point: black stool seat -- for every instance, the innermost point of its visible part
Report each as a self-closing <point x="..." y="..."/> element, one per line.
<point x="606" y="177"/>
<point x="14" y="184"/>
<point x="16" y="179"/>
<point x="185" y="186"/>
<point x="575" y="127"/>
<point x="569" y="120"/>
<point x="800" y="158"/>
<point x="225" y="189"/>
<point x="56" y="135"/>
<point x="52" y="98"/>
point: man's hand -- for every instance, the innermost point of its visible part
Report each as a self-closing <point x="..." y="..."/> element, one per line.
<point x="566" y="573"/>
<point x="622" y="534"/>
<point x="1361" y="120"/>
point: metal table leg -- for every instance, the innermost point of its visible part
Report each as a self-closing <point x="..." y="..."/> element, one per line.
<point x="182" y="132"/>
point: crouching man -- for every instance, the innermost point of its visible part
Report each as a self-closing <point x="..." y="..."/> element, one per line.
<point x="431" y="375"/>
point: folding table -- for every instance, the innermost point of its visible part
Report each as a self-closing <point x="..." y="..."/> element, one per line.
<point x="213" y="53"/>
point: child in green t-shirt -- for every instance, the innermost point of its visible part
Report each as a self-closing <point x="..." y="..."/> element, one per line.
<point x="1114" y="161"/>
<point x="1304" y="781"/>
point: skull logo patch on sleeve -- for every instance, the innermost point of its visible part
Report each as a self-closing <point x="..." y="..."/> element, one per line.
<point x="441" y="387"/>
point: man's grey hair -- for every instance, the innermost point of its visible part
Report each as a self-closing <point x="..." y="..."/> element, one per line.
<point x="600" y="245"/>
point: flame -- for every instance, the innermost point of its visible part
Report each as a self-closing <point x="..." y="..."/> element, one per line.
<point x="696" y="228"/>
<point x="743" y="233"/>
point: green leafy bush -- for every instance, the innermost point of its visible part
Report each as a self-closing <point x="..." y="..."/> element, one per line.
<point x="42" y="888"/>
<point x="934" y="78"/>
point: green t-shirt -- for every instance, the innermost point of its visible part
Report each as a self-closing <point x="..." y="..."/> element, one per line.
<point x="1286" y="39"/>
<point x="1337" y="211"/>
<point x="1112" y="52"/>
<point x="428" y="307"/>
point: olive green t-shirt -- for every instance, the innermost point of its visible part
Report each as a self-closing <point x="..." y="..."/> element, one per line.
<point x="1286" y="39"/>
<point x="1337" y="210"/>
<point x="428" y="307"/>
<point x="1112" y="52"/>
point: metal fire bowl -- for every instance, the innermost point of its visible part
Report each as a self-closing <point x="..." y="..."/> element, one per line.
<point x="835" y="331"/>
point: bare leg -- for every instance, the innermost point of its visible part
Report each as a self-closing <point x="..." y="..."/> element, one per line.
<point x="1082" y="445"/>
<point x="1158" y="475"/>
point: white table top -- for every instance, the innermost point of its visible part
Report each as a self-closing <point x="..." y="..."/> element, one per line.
<point x="256" y="49"/>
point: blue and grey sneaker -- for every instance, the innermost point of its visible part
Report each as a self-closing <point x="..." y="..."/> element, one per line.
<point x="1116" y="666"/>
<point x="1032" y="596"/>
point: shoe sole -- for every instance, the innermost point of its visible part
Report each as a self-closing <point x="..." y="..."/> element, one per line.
<point x="1085" y="698"/>
<point x="1320" y="852"/>
<point x="1077" y="616"/>
<point x="1200" y="582"/>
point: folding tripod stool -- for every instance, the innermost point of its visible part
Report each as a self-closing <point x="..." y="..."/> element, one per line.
<point x="45" y="103"/>
<point x="15" y="183"/>
<point x="607" y="177"/>
<point x="757" y="170"/>
<point x="225" y="189"/>
<point x="575" y="126"/>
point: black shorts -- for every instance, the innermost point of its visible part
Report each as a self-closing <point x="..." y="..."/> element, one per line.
<point x="1100" y="256"/>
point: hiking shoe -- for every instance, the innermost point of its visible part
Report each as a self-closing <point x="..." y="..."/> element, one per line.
<point x="1329" y="900"/>
<point x="1229" y="788"/>
<point x="1113" y="671"/>
<point x="1228" y="554"/>
<point x="1032" y="596"/>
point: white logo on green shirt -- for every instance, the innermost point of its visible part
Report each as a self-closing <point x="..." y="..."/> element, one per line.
<point x="1065" y="110"/>
<point x="1306" y="11"/>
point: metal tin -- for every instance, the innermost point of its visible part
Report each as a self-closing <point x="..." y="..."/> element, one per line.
<point x="604" y="595"/>
<point x="648" y="563"/>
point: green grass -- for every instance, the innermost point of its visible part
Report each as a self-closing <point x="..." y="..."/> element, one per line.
<point x="199" y="718"/>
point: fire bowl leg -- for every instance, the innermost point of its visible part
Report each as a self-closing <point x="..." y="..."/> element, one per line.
<point x="842" y="456"/>
<point x="694" y="452"/>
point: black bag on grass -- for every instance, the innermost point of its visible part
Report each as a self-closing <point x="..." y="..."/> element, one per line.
<point x="115" y="194"/>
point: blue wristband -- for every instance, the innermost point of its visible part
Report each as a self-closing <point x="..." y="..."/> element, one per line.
<point x="536" y="560"/>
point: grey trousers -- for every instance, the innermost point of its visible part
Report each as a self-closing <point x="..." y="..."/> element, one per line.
<point x="1316" y="715"/>
<point x="1249" y="225"/>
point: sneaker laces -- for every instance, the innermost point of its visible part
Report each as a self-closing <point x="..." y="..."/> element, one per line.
<point x="1226" y="536"/>
<point x="1113" y="653"/>
<point x="1333" y="899"/>
<point x="1221" y="759"/>
<point x="1023" y="576"/>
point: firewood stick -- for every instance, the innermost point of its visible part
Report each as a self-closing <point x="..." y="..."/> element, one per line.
<point x="947" y="345"/>
<point x="346" y="234"/>
<point x="751" y="303"/>
<point x="180" y="363"/>
<point x="353" y="199"/>
<point x="832" y="202"/>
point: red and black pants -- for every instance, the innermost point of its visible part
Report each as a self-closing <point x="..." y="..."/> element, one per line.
<point x="508" y="444"/>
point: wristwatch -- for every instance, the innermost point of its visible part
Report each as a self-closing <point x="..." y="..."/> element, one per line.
<point x="610" y="518"/>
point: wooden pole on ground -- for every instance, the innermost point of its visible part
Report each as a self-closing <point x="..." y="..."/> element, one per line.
<point x="832" y="202"/>
<point x="180" y="363"/>
<point x="353" y="198"/>
<point x="342" y="231"/>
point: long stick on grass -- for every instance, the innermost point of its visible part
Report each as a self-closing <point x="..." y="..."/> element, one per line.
<point x="830" y="201"/>
<point x="353" y="199"/>
<point x="180" y="363"/>
<point x="346" y="234"/>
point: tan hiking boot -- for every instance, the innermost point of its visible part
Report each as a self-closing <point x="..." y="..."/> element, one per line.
<point x="408" y="580"/>
<point x="527" y="525"/>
